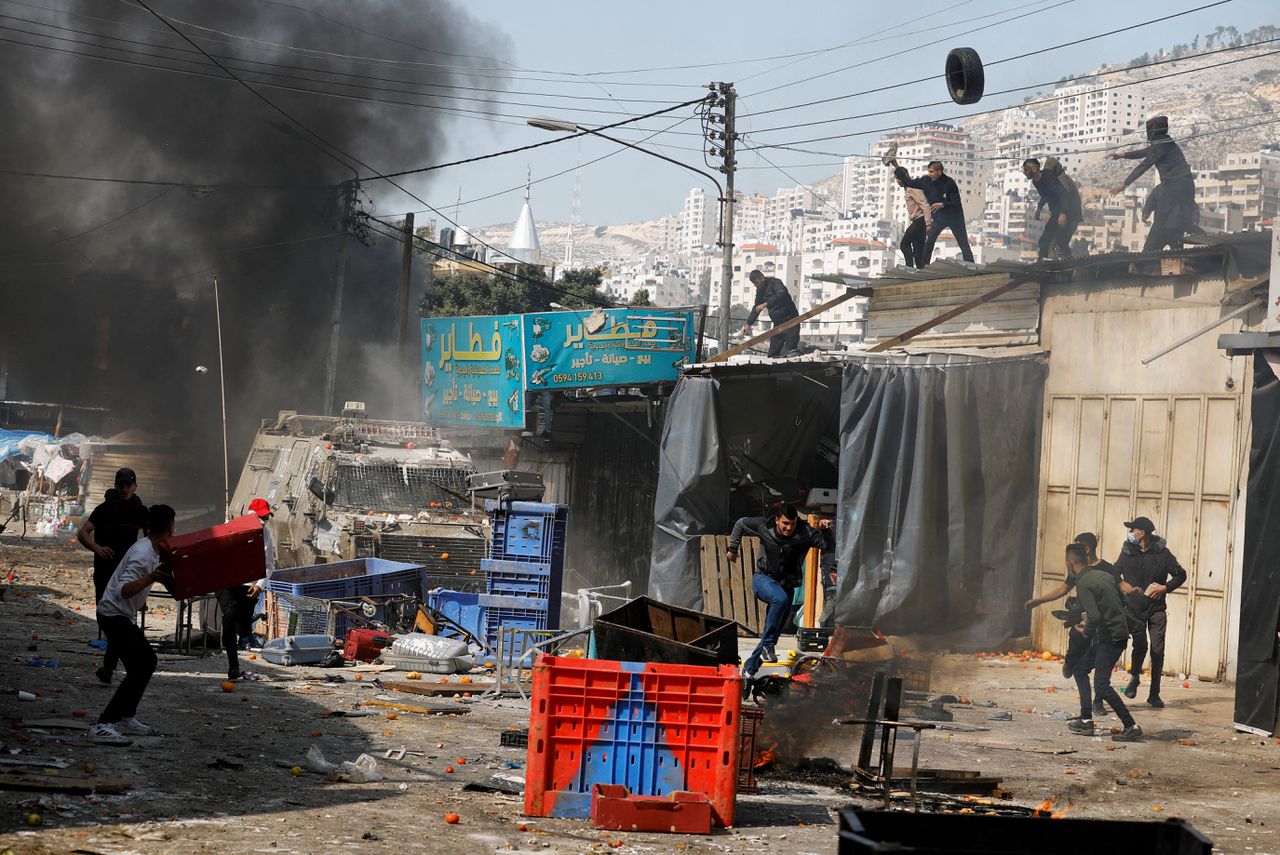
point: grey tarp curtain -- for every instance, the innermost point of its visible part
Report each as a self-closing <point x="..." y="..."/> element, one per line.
<point x="938" y="484"/>
<point x="693" y="492"/>
<point x="1258" y="668"/>
<point x="938" y="469"/>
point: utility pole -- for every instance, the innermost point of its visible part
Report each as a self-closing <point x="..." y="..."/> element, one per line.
<point x="726" y="100"/>
<point x="348" y="190"/>
<point x="402" y="316"/>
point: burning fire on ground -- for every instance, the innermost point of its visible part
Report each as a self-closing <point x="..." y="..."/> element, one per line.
<point x="1046" y="809"/>
<point x="764" y="757"/>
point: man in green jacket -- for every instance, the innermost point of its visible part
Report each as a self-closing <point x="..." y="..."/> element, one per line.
<point x="1105" y="622"/>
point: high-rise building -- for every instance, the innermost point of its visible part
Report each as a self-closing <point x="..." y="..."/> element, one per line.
<point x="698" y="222"/>
<point x="1092" y="117"/>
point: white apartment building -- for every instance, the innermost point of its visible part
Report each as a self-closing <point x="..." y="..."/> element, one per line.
<point x="748" y="217"/>
<point x="699" y="222"/>
<point x="1232" y="191"/>
<point x="1092" y="117"/>
<point x="870" y="192"/>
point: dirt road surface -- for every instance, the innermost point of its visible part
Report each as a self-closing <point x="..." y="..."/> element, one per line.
<point x="219" y="776"/>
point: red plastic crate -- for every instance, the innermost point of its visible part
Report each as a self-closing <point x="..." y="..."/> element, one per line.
<point x="364" y="645"/>
<point x="613" y="808"/>
<point x="217" y="557"/>
<point x="656" y="729"/>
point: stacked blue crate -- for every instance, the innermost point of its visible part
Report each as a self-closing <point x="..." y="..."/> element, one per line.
<point x="524" y="568"/>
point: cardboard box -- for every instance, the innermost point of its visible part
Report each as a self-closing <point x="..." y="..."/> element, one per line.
<point x="218" y="557"/>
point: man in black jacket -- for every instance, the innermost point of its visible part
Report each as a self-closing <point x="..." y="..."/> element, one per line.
<point x="1105" y="622"/>
<point x="1148" y="571"/>
<point x="785" y="540"/>
<point x="944" y="203"/>
<point x="1176" y="209"/>
<point x="111" y="529"/>
<point x="1053" y="194"/>
<point x="771" y="294"/>
<point x="1074" y="206"/>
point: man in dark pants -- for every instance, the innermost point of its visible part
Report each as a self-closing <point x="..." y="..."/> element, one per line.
<point x="125" y="594"/>
<point x="1175" y="210"/>
<point x="944" y="205"/>
<point x="1074" y="206"/>
<point x="1104" y="622"/>
<point x="239" y="602"/>
<point x="108" y="533"/>
<point x="771" y="294"/>
<point x="785" y="541"/>
<point x="913" y="238"/>
<point x="1148" y="571"/>
<point x="1054" y="195"/>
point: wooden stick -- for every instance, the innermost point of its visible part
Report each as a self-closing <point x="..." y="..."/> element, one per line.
<point x="849" y="294"/>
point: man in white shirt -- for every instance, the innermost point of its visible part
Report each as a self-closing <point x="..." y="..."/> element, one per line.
<point x="126" y="592"/>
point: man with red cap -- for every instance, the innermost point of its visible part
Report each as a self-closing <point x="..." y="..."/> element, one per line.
<point x="239" y="602"/>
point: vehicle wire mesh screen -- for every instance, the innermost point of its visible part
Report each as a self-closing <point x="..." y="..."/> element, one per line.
<point x="397" y="488"/>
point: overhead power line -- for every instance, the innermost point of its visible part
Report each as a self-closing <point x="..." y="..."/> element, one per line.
<point x="985" y="64"/>
<point x="1046" y="100"/>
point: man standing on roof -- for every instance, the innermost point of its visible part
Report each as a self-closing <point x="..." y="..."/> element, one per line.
<point x="772" y="295"/>
<point x="1051" y="194"/>
<point x="1074" y="207"/>
<point x="1175" y="209"/>
<point x="944" y="205"/>
<point x="1148" y="571"/>
<point x="913" y="239"/>
<point x="239" y="602"/>
<point x="108" y="533"/>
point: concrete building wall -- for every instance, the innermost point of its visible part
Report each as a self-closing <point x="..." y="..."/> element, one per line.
<point x="1166" y="440"/>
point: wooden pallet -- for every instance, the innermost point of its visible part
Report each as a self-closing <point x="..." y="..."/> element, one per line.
<point x="726" y="585"/>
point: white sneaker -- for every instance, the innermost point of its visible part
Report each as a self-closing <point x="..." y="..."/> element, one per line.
<point x="133" y="727"/>
<point x="105" y="729"/>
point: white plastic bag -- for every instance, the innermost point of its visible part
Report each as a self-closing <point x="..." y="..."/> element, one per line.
<point x="364" y="770"/>
<point x="315" y="761"/>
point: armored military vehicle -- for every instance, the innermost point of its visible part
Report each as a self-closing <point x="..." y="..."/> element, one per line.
<point x="354" y="487"/>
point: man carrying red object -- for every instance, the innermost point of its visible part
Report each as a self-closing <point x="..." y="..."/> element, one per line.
<point x="239" y="602"/>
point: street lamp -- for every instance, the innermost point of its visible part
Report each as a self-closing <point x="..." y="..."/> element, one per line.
<point x="547" y="123"/>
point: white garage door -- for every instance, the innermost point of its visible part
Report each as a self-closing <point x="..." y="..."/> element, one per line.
<point x="1168" y="457"/>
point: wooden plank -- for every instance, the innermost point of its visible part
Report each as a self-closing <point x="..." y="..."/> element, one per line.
<point x="66" y="723"/>
<point x="52" y="783"/>
<point x="433" y="689"/>
<point x="439" y="709"/>
<point x="707" y="569"/>
<point x="946" y="316"/>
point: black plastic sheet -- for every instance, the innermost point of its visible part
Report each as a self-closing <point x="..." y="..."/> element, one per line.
<point x="938" y="481"/>
<point x="1258" y="666"/>
<point x="693" y="492"/>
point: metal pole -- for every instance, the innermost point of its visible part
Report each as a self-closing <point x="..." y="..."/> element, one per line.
<point x="726" y="217"/>
<point x="402" y="314"/>
<point x="222" y="386"/>
<point x="1243" y="310"/>
<point x="335" y="324"/>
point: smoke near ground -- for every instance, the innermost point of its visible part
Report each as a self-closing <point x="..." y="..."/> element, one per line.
<point x="107" y="287"/>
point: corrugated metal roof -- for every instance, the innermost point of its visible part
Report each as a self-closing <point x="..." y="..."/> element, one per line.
<point x="857" y="353"/>
<point x="1197" y="246"/>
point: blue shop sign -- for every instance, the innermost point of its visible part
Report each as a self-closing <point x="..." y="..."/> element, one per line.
<point x="606" y="347"/>
<point x="473" y="371"/>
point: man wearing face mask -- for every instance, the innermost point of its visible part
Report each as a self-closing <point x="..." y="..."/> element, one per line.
<point x="1175" y="210"/>
<point x="1148" y="571"/>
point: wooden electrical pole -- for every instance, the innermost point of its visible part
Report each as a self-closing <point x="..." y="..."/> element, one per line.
<point x="402" y="317"/>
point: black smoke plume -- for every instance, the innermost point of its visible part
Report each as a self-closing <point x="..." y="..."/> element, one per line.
<point x="106" y="288"/>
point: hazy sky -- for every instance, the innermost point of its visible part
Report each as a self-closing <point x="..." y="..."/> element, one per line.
<point x="630" y="51"/>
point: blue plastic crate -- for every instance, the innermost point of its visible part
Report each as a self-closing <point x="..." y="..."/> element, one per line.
<point x="528" y="532"/>
<point x="515" y="578"/>
<point x="344" y="580"/>
<point x="504" y="612"/>
<point x="460" y="606"/>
